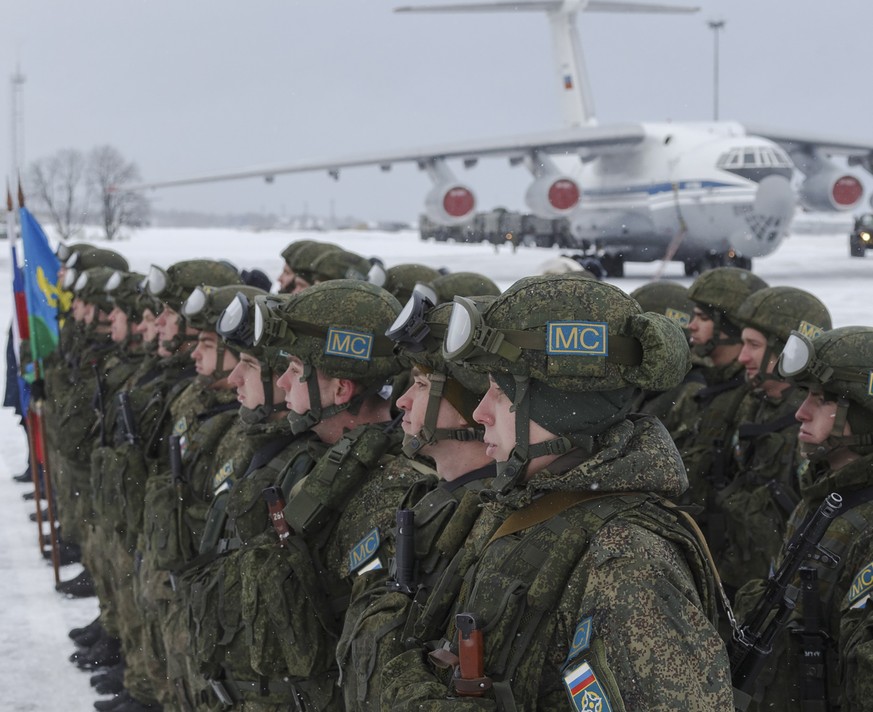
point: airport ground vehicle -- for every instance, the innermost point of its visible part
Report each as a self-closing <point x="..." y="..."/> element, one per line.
<point x="861" y="238"/>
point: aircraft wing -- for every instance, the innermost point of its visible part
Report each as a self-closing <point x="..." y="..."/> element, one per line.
<point x="858" y="152"/>
<point x="589" y="140"/>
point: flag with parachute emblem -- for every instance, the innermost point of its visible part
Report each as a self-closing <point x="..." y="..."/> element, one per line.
<point x="40" y="286"/>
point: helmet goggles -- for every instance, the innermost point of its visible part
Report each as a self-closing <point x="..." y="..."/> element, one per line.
<point x="798" y="362"/>
<point x="410" y="328"/>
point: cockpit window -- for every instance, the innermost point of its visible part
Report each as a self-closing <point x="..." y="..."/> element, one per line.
<point x="756" y="162"/>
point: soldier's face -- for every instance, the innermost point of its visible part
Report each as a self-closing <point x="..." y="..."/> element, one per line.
<point x="167" y="325"/>
<point x="286" y="279"/>
<point x="147" y="326"/>
<point x="205" y="355"/>
<point x="414" y="404"/>
<point x="495" y="413"/>
<point x="700" y="327"/>
<point x="752" y="354"/>
<point x="816" y="415"/>
<point x="117" y="325"/>
<point x="82" y="311"/>
<point x="297" y="390"/>
<point x="246" y="379"/>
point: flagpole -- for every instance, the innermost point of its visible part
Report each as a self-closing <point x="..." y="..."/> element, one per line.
<point x="38" y="448"/>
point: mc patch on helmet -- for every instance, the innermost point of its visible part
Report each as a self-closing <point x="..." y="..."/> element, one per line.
<point x="584" y="690"/>
<point x="361" y="557"/>
<point x="346" y="343"/>
<point x="810" y="331"/>
<point x="577" y="338"/>
<point x="870" y="384"/>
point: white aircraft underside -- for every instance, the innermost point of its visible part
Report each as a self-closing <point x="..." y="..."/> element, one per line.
<point x="704" y="193"/>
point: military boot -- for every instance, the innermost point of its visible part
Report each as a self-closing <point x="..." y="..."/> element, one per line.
<point x="104" y="653"/>
<point x="110" y="682"/>
<point x="114" y="702"/>
<point x="82" y="586"/>
<point x="134" y="705"/>
<point x="87" y="635"/>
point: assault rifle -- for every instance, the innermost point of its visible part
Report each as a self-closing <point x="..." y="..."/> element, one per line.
<point x="101" y="406"/>
<point x="128" y="424"/>
<point x="752" y="642"/>
<point x="404" y="556"/>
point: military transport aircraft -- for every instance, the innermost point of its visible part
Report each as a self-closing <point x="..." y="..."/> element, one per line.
<point x="704" y="193"/>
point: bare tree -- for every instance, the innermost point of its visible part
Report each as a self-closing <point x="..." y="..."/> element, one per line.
<point x="108" y="173"/>
<point x="56" y="184"/>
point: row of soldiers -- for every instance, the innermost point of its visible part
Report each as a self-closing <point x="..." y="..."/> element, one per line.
<point x="401" y="489"/>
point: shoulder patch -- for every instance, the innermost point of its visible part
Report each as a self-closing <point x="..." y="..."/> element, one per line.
<point x="181" y="426"/>
<point x="861" y="587"/>
<point x="584" y="690"/>
<point x="581" y="638"/>
<point x="577" y="338"/>
<point x="222" y="477"/>
<point x="870" y="384"/>
<point x="362" y="557"/>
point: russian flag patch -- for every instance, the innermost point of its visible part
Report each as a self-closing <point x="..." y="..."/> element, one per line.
<point x="584" y="690"/>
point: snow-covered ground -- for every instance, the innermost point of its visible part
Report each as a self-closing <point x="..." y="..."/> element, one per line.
<point x="34" y="619"/>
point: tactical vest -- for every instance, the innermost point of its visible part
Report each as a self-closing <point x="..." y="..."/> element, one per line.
<point x="515" y="586"/>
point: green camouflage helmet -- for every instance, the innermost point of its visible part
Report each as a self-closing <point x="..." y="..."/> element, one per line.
<point x="173" y="285"/>
<point x="777" y="311"/>
<point x="667" y="298"/>
<point x="339" y="264"/>
<point x="400" y="280"/>
<point x="720" y="292"/>
<point x="90" y="287"/>
<point x="840" y="362"/>
<point x="302" y="258"/>
<point x="340" y="308"/>
<point x="289" y="252"/>
<point x="466" y="284"/>
<point x="125" y="291"/>
<point x="205" y="305"/>
<point x="578" y="334"/>
<point x="90" y="256"/>
<point x="64" y="251"/>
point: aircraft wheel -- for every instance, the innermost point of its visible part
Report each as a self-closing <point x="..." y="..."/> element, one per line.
<point x="613" y="264"/>
<point x="692" y="268"/>
<point x="856" y="249"/>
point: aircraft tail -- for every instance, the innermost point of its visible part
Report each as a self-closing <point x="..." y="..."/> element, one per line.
<point x="577" y="103"/>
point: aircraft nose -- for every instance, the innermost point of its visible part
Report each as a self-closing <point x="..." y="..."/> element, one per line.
<point x="775" y="197"/>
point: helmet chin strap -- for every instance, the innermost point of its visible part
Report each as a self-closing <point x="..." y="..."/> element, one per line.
<point x="429" y="432"/>
<point x="513" y="470"/>
<point x="253" y="416"/>
<point x="713" y="342"/>
<point x="301" y="422"/>
<point x="861" y="444"/>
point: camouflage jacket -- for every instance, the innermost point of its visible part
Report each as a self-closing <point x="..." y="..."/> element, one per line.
<point x="384" y="608"/>
<point x="603" y="602"/>
<point x="763" y="490"/>
<point x="844" y="611"/>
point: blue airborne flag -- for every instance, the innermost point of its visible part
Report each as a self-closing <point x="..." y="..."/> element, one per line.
<point x="40" y="287"/>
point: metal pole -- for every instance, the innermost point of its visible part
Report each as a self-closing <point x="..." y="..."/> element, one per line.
<point x="715" y="26"/>
<point x="17" y="83"/>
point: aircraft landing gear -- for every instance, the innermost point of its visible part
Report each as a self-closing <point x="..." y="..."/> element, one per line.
<point x="694" y="267"/>
<point x="613" y="264"/>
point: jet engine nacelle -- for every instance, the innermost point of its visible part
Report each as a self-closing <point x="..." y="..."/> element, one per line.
<point x="552" y="196"/>
<point x="449" y="203"/>
<point x="832" y="190"/>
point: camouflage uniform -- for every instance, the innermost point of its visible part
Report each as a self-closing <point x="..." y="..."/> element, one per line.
<point x="567" y="565"/>
<point x="824" y="659"/>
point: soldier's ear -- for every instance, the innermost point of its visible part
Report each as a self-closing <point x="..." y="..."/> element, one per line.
<point x="344" y="390"/>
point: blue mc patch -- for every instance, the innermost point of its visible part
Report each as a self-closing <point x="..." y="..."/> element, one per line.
<point x="810" y="331"/>
<point x="680" y="317"/>
<point x="346" y="343"/>
<point x="364" y="551"/>
<point x="862" y="586"/>
<point x="577" y="338"/>
<point x="581" y="638"/>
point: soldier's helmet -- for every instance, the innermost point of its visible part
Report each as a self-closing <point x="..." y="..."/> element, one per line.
<point x="400" y="280"/>
<point x="777" y="311"/>
<point x="339" y="264"/>
<point x="90" y="287"/>
<point x="205" y="304"/>
<point x="447" y="286"/>
<point x="571" y="353"/>
<point x="125" y="292"/>
<point x="719" y="293"/>
<point x="87" y="257"/>
<point x="338" y="328"/>
<point x="173" y="284"/>
<point x="302" y="258"/>
<point x="839" y="362"/>
<point x="418" y="333"/>
<point x="289" y="252"/>
<point x="64" y="250"/>
<point x="667" y="298"/>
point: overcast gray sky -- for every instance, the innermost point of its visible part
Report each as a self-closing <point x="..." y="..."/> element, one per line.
<point x="184" y="87"/>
